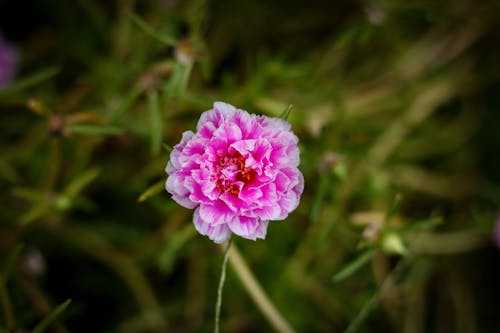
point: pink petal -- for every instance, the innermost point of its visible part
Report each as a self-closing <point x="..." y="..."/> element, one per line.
<point x="230" y="131"/>
<point x="250" y="228"/>
<point x="179" y="192"/>
<point x="233" y="202"/>
<point x="282" y="182"/>
<point x="218" y="213"/>
<point x="227" y="110"/>
<point x="261" y="230"/>
<point x="287" y="204"/>
<point x="245" y="123"/>
<point x="278" y="124"/>
<point x="248" y="194"/>
<point x="218" y="233"/>
<point x="243" y="146"/>
<point x="207" y="130"/>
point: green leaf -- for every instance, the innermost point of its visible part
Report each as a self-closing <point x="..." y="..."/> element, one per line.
<point x="6" y="305"/>
<point x="80" y="182"/>
<point x="167" y="147"/>
<point x="51" y="317"/>
<point x="349" y="36"/>
<point x="29" y="81"/>
<point x="34" y="213"/>
<point x="129" y="99"/>
<point x="93" y="129"/>
<point x="177" y="83"/>
<point x="5" y="301"/>
<point x="284" y="115"/>
<point x="353" y="266"/>
<point x="169" y="253"/>
<point x="152" y="190"/>
<point x="155" y="122"/>
<point x="28" y="194"/>
<point x="8" y="172"/>
<point x="151" y="31"/>
<point x="323" y="187"/>
<point x="396" y="203"/>
<point x="11" y="259"/>
<point x="425" y="224"/>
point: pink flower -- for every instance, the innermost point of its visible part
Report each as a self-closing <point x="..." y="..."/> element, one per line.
<point x="238" y="171"/>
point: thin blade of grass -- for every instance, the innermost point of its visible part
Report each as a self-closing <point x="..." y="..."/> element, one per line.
<point x="152" y="191"/>
<point x="170" y="253"/>
<point x="317" y="205"/>
<point x="8" y="172"/>
<point x="80" y="182"/>
<point x="167" y="148"/>
<point x="29" y="81"/>
<point x="395" y="204"/>
<point x="28" y="194"/>
<point x="6" y="305"/>
<point x="11" y="259"/>
<point x="91" y="129"/>
<point x="5" y="302"/>
<point x="155" y="122"/>
<point x="167" y="40"/>
<point x="425" y="224"/>
<point x="173" y="86"/>
<point x="284" y="115"/>
<point x="51" y="317"/>
<point x="129" y="99"/>
<point x="353" y="266"/>
<point x="34" y="213"/>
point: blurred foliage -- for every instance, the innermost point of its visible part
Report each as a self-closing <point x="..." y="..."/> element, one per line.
<point x="396" y="106"/>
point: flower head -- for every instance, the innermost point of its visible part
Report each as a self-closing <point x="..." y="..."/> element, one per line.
<point x="238" y="171"/>
<point x="8" y="63"/>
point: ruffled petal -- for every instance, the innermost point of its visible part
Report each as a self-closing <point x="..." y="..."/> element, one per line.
<point x="218" y="233"/>
<point x="217" y="213"/>
<point x="227" y="110"/>
<point x="247" y="227"/>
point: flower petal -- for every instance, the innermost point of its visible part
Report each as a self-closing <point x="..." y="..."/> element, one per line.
<point x="247" y="227"/>
<point x="218" y="233"/>
<point x="227" y="110"/>
<point x="230" y="131"/>
<point x="218" y="213"/>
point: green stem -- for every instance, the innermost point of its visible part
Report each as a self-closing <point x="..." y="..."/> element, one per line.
<point x="221" y="285"/>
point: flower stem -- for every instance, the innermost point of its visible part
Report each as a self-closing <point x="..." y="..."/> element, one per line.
<point x="221" y="285"/>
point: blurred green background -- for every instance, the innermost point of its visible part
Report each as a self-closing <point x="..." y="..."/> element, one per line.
<point x="396" y="107"/>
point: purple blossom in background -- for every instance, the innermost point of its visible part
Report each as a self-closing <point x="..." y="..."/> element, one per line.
<point x="238" y="171"/>
<point x="496" y="231"/>
<point x="8" y="63"/>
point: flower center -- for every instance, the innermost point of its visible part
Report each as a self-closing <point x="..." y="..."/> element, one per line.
<point x="231" y="172"/>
